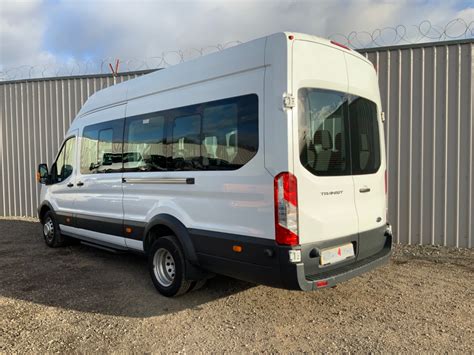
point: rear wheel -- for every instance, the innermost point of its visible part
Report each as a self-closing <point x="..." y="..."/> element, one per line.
<point x="51" y="234"/>
<point x="167" y="267"/>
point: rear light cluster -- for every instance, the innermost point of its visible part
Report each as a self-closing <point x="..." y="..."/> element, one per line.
<point x="286" y="209"/>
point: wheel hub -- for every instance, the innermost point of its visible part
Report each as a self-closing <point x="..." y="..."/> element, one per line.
<point x="48" y="229"/>
<point x="164" y="267"/>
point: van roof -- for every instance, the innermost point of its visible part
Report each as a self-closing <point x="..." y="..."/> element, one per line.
<point x="243" y="57"/>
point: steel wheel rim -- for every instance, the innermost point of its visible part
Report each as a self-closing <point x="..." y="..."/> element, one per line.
<point x="48" y="229"/>
<point x="164" y="267"/>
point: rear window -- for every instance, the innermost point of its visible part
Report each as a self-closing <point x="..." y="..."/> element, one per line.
<point x="338" y="133"/>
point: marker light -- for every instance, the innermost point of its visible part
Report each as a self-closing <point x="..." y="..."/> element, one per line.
<point x="286" y="209"/>
<point x="237" y="248"/>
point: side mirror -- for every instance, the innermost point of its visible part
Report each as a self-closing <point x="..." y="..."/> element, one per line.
<point x="42" y="175"/>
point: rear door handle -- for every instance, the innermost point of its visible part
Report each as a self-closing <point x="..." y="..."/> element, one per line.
<point x="364" y="189"/>
<point x="80" y="183"/>
<point x="70" y="184"/>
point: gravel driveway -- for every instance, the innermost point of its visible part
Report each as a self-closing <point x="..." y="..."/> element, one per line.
<point x="83" y="299"/>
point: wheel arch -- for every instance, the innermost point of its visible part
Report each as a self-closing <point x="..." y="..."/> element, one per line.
<point x="43" y="208"/>
<point x="161" y="225"/>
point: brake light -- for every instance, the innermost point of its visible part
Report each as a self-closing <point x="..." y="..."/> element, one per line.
<point x="340" y="45"/>
<point x="286" y="209"/>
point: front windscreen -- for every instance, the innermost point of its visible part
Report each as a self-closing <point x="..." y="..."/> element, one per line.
<point x="338" y="133"/>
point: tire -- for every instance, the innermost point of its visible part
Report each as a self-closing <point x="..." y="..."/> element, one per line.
<point x="197" y="285"/>
<point x="166" y="265"/>
<point x="51" y="234"/>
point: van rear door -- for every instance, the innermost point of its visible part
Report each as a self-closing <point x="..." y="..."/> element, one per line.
<point x="321" y="141"/>
<point x="368" y="152"/>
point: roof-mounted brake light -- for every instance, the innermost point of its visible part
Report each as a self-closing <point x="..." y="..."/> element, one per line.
<point x="340" y="45"/>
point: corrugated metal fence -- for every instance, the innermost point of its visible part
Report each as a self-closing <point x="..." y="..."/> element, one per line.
<point x="34" y="117"/>
<point x="427" y="95"/>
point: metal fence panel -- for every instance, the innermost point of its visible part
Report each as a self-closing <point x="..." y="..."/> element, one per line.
<point x="427" y="96"/>
<point x="34" y="116"/>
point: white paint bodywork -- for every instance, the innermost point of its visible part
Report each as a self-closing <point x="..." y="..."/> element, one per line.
<point x="323" y="216"/>
<point x="240" y="201"/>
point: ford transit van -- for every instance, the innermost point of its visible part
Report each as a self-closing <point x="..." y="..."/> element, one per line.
<point x="264" y="162"/>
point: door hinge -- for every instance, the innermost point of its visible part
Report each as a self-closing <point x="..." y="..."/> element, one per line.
<point x="289" y="101"/>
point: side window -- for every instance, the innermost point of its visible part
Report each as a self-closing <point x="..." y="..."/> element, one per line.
<point x="101" y="148"/>
<point x="219" y="129"/>
<point x="186" y="143"/>
<point x="246" y="137"/>
<point x="106" y="156"/>
<point x="144" y="146"/>
<point x="64" y="165"/>
<point x="217" y="135"/>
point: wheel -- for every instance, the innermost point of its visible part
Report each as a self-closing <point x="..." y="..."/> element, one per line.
<point x="198" y="284"/>
<point x="51" y="234"/>
<point x="166" y="265"/>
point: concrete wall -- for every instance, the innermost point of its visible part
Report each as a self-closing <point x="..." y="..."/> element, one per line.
<point x="427" y="95"/>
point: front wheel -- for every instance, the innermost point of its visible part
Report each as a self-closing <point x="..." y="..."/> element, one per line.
<point x="51" y="234"/>
<point x="167" y="267"/>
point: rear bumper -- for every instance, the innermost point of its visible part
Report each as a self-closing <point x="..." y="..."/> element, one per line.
<point x="330" y="279"/>
<point x="264" y="262"/>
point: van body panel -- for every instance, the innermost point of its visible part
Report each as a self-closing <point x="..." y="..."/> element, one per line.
<point x="278" y="122"/>
<point x="326" y="206"/>
<point x="100" y="196"/>
<point x="371" y="205"/>
<point x="60" y="195"/>
<point x="218" y="200"/>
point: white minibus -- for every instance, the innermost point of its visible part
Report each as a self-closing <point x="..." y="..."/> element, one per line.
<point x="264" y="162"/>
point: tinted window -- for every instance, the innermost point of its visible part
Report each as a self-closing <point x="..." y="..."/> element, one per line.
<point x="186" y="143"/>
<point x="144" y="146"/>
<point x="338" y="133"/>
<point x="101" y="148"/>
<point x="219" y="135"/>
<point x="365" y="136"/>
<point x="64" y="165"/>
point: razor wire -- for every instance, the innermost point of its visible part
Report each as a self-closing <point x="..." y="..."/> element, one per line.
<point x="425" y="31"/>
<point x="101" y="66"/>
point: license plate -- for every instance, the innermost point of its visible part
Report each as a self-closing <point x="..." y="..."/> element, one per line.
<point x="336" y="254"/>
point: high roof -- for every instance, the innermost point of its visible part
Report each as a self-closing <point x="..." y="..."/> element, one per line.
<point x="243" y="57"/>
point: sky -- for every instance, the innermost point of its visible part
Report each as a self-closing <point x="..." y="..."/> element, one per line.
<point x="83" y="35"/>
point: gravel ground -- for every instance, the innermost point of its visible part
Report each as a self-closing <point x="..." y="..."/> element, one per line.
<point x="86" y="300"/>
